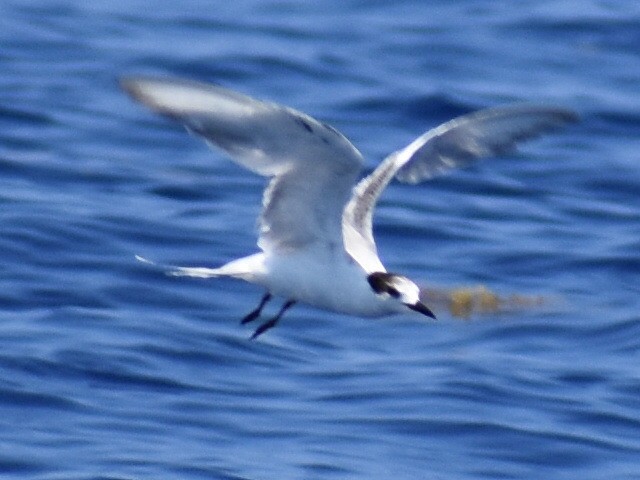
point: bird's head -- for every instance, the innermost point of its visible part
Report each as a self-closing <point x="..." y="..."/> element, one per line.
<point x="400" y="288"/>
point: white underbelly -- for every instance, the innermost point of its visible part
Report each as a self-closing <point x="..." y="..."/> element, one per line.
<point x="327" y="282"/>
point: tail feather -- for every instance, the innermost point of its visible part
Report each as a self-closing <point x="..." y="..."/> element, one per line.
<point x="176" y="271"/>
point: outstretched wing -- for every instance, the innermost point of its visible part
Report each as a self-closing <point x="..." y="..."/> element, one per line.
<point x="313" y="167"/>
<point x="456" y="143"/>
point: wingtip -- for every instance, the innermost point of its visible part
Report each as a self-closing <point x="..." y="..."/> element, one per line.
<point x="126" y="83"/>
<point x="561" y="114"/>
<point x="166" y="96"/>
<point x="133" y="86"/>
<point x="147" y="90"/>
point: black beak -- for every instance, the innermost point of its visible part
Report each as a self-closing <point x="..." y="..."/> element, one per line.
<point x="423" y="309"/>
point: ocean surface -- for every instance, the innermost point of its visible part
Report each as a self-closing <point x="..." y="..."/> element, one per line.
<point x="112" y="370"/>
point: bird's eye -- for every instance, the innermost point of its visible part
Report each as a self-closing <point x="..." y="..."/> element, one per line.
<point x="384" y="283"/>
<point x="393" y="292"/>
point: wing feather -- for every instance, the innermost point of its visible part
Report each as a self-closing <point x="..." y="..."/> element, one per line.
<point x="456" y="143"/>
<point x="312" y="166"/>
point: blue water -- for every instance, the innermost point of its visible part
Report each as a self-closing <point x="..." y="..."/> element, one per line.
<point x="111" y="370"/>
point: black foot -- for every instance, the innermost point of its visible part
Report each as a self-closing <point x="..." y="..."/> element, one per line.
<point x="264" y="327"/>
<point x="256" y="313"/>
<point x="273" y="322"/>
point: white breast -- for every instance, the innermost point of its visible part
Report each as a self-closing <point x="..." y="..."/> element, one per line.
<point x="325" y="279"/>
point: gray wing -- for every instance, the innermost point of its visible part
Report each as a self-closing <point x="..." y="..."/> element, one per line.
<point x="312" y="166"/>
<point x="456" y="143"/>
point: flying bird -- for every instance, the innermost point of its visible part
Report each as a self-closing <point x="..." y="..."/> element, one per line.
<point x="315" y="229"/>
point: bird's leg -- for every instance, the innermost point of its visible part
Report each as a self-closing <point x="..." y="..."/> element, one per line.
<point x="251" y="316"/>
<point x="272" y="323"/>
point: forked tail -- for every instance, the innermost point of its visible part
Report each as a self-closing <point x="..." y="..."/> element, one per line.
<point x="176" y="271"/>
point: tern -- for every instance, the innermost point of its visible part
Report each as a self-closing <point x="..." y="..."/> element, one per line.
<point x="315" y="229"/>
